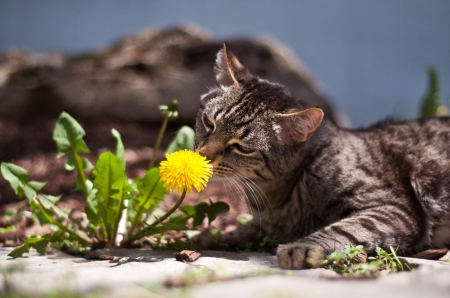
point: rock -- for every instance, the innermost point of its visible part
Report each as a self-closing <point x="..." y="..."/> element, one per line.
<point x="128" y="80"/>
<point x="187" y="256"/>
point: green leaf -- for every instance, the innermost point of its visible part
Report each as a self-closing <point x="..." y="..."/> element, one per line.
<point x="151" y="190"/>
<point x="18" y="179"/>
<point x="120" y="149"/>
<point x="36" y="185"/>
<point x="200" y="211"/>
<point x="16" y="176"/>
<point x="184" y="139"/>
<point x="68" y="135"/>
<point x="121" y="191"/>
<point x="432" y="100"/>
<point x="197" y="212"/>
<point x="92" y="216"/>
<point x="48" y="203"/>
<point x="71" y="163"/>
<point x="216" y="209"/>
<point x="397" y="261"/>
<point x="107" y="171"/>
<point x="53" y="199"/>
<point x="39" y="244"/>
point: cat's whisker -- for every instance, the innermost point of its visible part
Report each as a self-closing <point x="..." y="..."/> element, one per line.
<point x="258" y="193"/>
<point x="258" y="204"/>
<point x="233" y="196"/>
<point x="256" y="196"/>
<point x="240" y="190"/>
<point x="225" y="187"/>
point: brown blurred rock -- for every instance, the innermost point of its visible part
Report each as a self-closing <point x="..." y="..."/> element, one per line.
<point x="128" y="80"/>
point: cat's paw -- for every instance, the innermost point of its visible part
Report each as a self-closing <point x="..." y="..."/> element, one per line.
<point x="299" y="255"/>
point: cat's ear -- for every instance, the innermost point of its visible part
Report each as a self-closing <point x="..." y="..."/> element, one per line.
<point x="229" y="71"/>
<point x="298" y="127"/>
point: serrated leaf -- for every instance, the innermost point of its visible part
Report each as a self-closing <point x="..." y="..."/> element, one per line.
<point x="202" y="210"/>
<point x="38" y="243"/>
<point x="123" y="189"/>
<point x="107" y="171"/>
<point x="184" y="139"/>
<point x="41" y="246"/>
<point x="16" y="176"/>
<point x="71" y="163"/>
<point x="68" y="135"/>
<point x="48" y="202"/>
<point x="120" y="149"/>
<point x="151" y="190"/>
<point x="36" y="185"/>
<point x="92" y="216"/>
<point x="53" y="199"/>
<point x="119" y="193"/>
<point x="197" y="212"/>
<point x="215" y="209"/>
<point x="18" y="179"/>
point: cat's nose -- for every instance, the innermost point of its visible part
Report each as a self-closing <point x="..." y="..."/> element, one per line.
<point x="203" y="151"/>
<point x="207" y="152"/>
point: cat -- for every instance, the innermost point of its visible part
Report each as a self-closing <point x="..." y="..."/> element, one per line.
<point x="318" y="187"/>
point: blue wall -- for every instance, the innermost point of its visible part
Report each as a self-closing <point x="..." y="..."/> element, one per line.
<point x="369" y="56"/>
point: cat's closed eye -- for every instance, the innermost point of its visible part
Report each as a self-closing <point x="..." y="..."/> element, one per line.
<point x="241" y="149"/>
<point x="209" y="125"/>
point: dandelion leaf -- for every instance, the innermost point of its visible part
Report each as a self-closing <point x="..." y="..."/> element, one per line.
<point x="18" y="179"/>
<point x="151" y="190"/>
<point x="120" y="149"/>
<point x="107" y="171"/>
<point x="68" y="135"/>
<point x="39" y="244"/>
<point x="184" y="139"/>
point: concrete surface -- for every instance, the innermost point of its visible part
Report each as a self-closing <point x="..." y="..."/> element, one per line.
<point x="147" y="273"/>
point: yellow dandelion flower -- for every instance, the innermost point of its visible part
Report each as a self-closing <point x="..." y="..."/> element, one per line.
<point x="184" y="169"/>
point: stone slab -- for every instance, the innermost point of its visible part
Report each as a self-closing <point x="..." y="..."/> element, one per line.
<point x="149" y="273"/>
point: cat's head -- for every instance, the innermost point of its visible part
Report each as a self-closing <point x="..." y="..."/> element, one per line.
<point x="248" y="126"/>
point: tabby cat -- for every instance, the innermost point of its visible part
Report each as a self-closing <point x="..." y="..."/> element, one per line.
<point x="319" y="187"/>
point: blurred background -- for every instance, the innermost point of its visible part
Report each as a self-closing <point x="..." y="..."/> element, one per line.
<point x="368" y="57"/>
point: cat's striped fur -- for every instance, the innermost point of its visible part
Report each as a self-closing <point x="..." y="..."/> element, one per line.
<point x="316" y="186"/>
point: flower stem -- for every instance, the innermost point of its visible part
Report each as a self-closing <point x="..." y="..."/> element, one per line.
<point x="172" y="210"/>
<point x="142" y="233"/>
<point x="158" y="140"/>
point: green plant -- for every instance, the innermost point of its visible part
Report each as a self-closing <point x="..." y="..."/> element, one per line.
<point x="112" y="200"/>
<point x="352" y="262"/>
<point x="431" y="103"/>
<point x="389" y="261"/>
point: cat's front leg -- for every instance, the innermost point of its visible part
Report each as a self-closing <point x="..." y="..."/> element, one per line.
<point x="299" y="255"/>
<point x="383" y="226"/>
